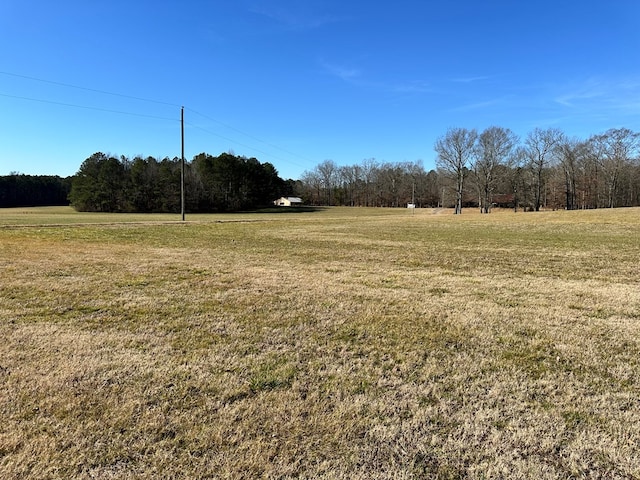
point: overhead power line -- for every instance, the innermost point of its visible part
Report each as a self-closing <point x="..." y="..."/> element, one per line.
<point x="242" y="144"/>
<point x="86" y="107"/>
<point x="159" y="102"/>
<point x="103" y="92"/>
<point x="248" y="135"/>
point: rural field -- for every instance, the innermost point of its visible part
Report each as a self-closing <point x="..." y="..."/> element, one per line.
<point x="333" y="344"/>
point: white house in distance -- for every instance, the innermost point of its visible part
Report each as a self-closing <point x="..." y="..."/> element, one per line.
<point x="288" y="201"/>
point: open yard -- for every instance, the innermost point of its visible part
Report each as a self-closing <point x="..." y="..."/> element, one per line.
<point x="336" y="344"/>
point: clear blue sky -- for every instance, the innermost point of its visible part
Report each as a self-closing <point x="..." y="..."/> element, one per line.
<point x="296" y="82"/>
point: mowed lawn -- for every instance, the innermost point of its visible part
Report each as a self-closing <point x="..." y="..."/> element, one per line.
<point x="336" y="344"/>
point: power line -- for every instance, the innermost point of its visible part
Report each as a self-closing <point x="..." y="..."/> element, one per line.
<point x="104" y="92"/>
<point x="246" y="134"/>
<point x="86" y="107"/>
<point x="132" y="97"/>
<point x="242" y="144"/>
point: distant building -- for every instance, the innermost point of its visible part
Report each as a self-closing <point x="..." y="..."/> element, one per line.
<point x="288" y="201"/>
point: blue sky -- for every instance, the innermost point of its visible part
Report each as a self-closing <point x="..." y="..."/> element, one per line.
<point x="295" y="83"/>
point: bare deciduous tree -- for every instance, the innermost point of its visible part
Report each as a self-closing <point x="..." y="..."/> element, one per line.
<point x="571" y="155"/>
<point x="541" y="146"/>
<point x="613" y="150"/>
<point x="369" y="169"/>
<point x="546" y="169"/>
<point x="328" y="171"/>
<point x="313" y="187"/>
<point x="455" y="150"/>
<point x="493" y="149"/>
<point x="348" y="179"/>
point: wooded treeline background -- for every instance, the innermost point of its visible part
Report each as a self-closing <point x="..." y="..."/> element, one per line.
<point x="212" y="184"/>
<point x="481" y="170"/>
<point x="492" y="168"/>
<point x="19" y="190"/>
<point x="106" y="183"/>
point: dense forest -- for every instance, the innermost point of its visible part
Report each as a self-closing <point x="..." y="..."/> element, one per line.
<point x="106" y="183"/>
<point x="19" y="190"/>
<point x="212" y="184"/>
<point x="492" y="168"/>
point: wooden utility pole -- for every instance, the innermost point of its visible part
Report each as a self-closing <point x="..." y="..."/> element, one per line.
<point x="182" y="163"/>
<point x="413" y="197"/>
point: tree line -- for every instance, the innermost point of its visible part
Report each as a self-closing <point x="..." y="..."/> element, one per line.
<point x="492" y="168"/>
<point x="547" y="169"/>
<point x="20" y="190"/>
<point x="220" y="183"/>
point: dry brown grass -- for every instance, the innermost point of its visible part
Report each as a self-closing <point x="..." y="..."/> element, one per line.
<point x="347" y="343"/>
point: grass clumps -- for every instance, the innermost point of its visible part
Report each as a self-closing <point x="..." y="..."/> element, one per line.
<point x="344" y="343"/>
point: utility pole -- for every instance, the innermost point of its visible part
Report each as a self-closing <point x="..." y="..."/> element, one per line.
<point x="413" y="197"/>
<point x="182" y="163"/>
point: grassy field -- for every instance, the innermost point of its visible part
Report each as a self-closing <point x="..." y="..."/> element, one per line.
<point x="336" y="344"/>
